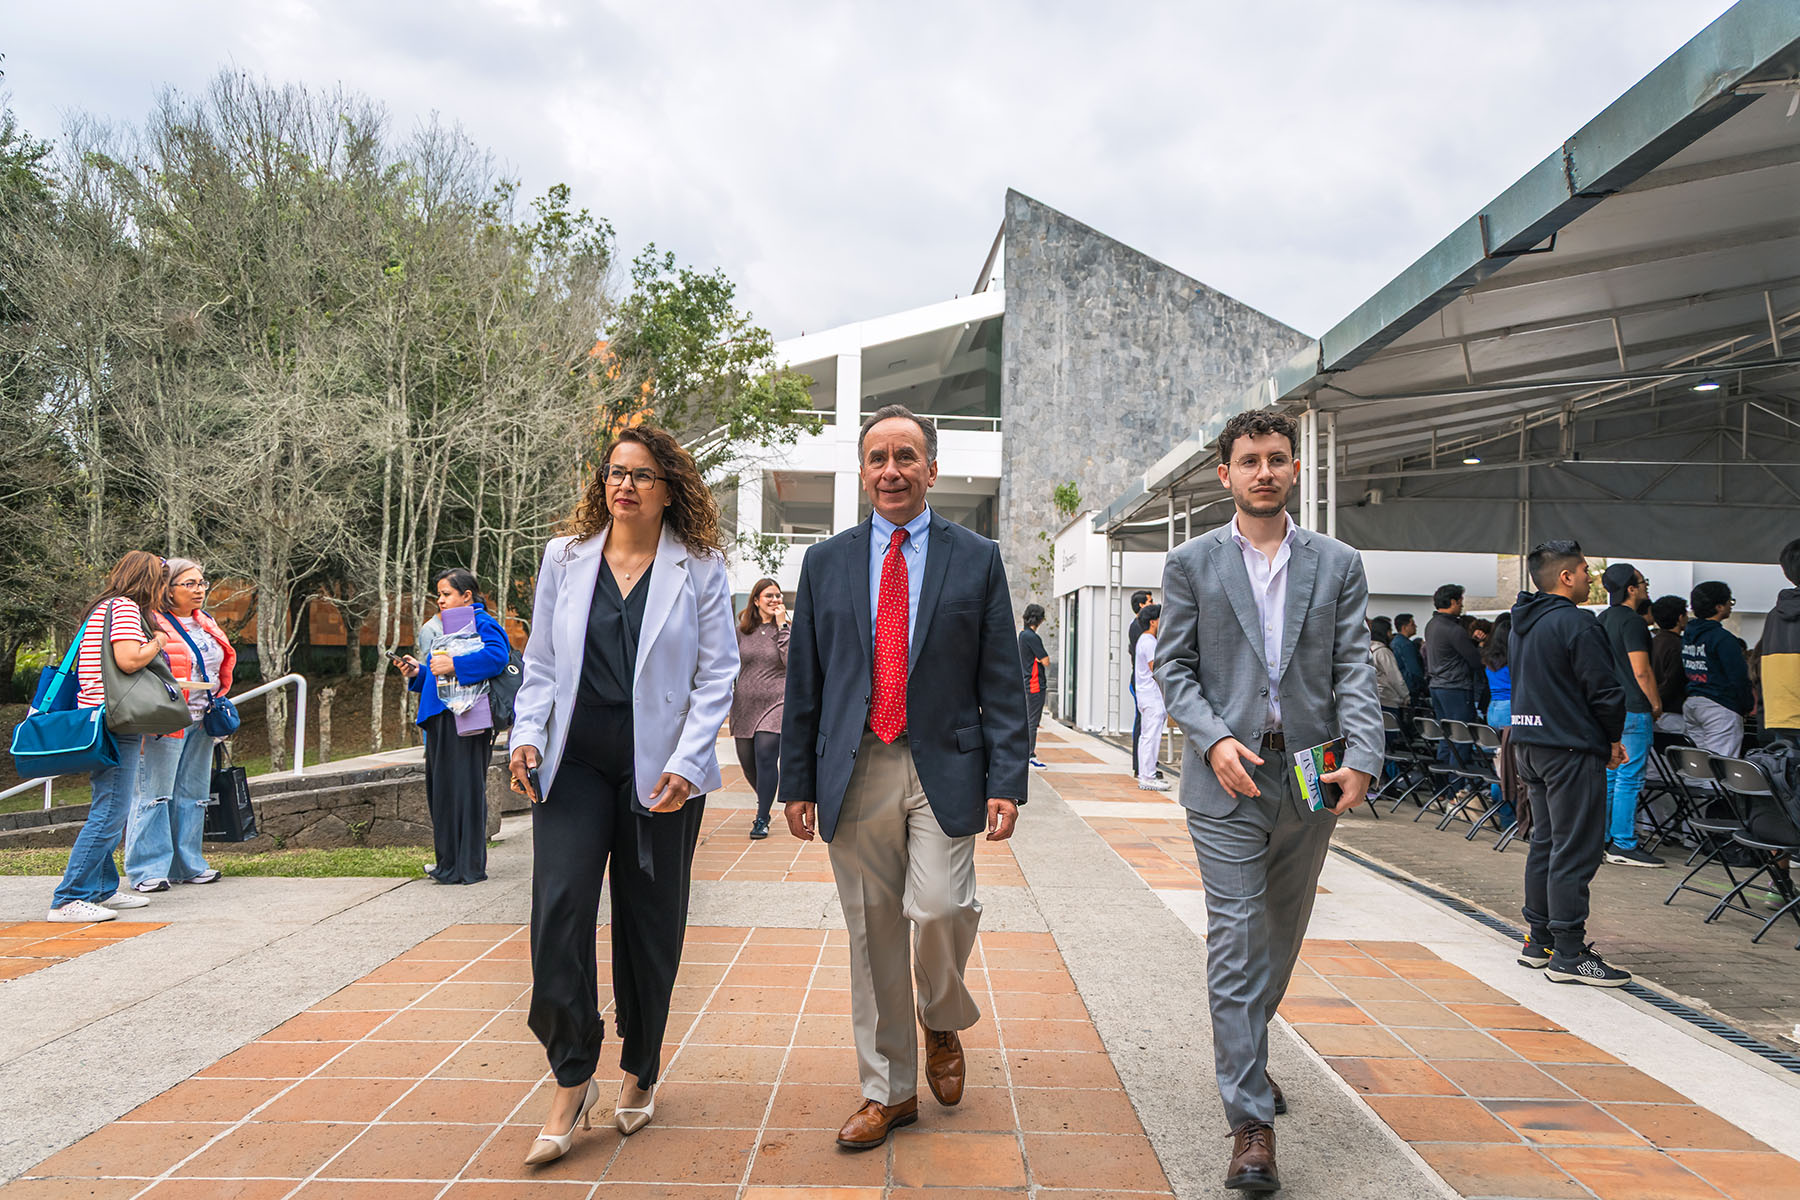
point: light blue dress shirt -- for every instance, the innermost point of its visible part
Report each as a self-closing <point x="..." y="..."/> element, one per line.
<point x="918" y="531"/>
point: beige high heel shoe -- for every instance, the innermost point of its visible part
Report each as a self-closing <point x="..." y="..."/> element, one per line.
<point x="549" y="1147"/>
<point x="630" y="1120"/>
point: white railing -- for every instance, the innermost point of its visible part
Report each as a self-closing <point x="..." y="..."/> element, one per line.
<point x="826" y="416"/>
<point x="299" y="682"/>
<point x="797" y="539"/>
<point x="950" y="421"/>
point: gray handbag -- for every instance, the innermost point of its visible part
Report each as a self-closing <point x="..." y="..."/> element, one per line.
<point x="144" y="701"/>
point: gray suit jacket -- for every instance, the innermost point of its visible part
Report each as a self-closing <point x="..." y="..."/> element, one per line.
<point x="1209" y="658"/>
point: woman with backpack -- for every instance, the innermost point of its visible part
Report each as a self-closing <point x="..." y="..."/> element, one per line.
<point x="163" y="840"/>
<point x="137" y="585"/>
<point x="456" y="763"/>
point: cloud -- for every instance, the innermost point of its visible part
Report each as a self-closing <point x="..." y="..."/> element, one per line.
<point x="842" y="161"/>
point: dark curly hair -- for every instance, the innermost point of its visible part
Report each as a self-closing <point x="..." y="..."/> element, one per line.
<point x="1256" y="423"/>
<point x="693" y="514"/>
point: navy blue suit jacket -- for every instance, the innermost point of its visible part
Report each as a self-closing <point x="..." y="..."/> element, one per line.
<point x="965" y="697"/>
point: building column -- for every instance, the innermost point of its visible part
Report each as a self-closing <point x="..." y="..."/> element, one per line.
<point x="846" y="485"/>
<point x="750" y="503"/>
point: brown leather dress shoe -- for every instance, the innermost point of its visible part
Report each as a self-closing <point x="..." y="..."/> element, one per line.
<point x="870" y="1125"/>
<point x="944" y="1067"/>
<point x="1280" y="1100"/>
<point x="1252" y="1166"/>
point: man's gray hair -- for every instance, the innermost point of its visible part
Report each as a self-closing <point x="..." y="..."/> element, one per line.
<point x="888" y="411"/>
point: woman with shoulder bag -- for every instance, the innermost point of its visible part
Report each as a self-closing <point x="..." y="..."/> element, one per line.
<point x="627" y="680"/>
<point x="456" y="764"/>
<point x="136" y="585"/>
<point x="166" y="845"/>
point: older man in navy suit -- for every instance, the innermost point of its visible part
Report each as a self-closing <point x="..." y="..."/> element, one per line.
<point x="903" y="737"/>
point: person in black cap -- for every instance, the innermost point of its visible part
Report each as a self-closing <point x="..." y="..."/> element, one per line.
<point x="1628" y="593"/>
<point x="1567" y="714"/>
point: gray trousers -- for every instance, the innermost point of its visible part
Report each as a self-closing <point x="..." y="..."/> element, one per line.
<point x="1260" y="866"/>
<point x="1713" y="727"/>
<point x="908" y="891"/>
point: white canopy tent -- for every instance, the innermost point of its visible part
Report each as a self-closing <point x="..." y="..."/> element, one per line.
<point x="1549" y="368"/>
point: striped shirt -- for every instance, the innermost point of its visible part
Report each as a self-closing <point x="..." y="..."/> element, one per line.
<point x="128" y="626"/>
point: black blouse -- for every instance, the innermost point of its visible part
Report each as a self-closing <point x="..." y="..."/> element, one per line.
<point x="609" y="663"/>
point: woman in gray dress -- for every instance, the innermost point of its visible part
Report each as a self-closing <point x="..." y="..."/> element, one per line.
<point x="761" y="687"/>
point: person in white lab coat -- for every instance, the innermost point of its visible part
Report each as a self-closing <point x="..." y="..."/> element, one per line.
<point x="1151" y="712"/>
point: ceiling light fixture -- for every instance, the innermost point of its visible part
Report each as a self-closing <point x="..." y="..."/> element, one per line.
<point x="1709" y="384"/>
<point x="1471" y="461"/>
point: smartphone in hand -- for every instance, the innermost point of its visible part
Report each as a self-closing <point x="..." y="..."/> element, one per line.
<point x="537" y="788"/>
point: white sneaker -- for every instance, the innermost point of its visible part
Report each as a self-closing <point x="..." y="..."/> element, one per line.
<point x="123" y="899"/>
<point x="210" y="875"/>
<point x="1153" y="785"/>
<point x="81" y="912"/>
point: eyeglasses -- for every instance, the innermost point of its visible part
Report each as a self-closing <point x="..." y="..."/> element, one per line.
<point x="642" y="477"/>
<point x="202" y="584"/>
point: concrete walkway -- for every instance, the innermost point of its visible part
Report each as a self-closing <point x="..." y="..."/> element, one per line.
<point x="335" y="1037"/>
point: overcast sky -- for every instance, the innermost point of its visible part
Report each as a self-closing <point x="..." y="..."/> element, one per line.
<point x="843" y="161"/>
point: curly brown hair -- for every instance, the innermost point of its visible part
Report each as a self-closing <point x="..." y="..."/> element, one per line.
<point x="692" y="515"/>
<point x="1256" y="423"/>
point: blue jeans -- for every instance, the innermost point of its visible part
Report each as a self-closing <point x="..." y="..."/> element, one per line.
<point x="149" y="833"/>
<point x="1499" y="716"/>
<point x="1624" y="783"/>
<point x="90" y="874"/>
<point x="1453" y="704"/>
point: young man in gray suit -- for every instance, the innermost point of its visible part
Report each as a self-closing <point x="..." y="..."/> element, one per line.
<point x="903" y="736"/>
<point x="1262" y="652"/>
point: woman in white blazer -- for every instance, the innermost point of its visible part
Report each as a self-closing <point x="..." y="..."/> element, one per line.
<point x="628" y="677"/>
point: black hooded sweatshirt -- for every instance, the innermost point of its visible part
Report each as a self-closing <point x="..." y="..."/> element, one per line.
<point x="1565" y="691"/>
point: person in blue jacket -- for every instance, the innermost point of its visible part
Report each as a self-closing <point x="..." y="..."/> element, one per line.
<point x="1718" y="675"/>
<point x="456" y="764"/>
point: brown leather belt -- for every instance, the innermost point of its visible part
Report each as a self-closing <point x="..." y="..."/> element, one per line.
<point x="1274" y="741"/>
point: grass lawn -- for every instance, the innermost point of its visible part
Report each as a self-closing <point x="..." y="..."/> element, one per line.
<point x="388" y="862"/>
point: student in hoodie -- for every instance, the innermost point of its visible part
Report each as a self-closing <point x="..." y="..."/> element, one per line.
<point x="1568" y="713"/>
<point x="1670" y="614"/>
<point x="1780" y="654"/>
<point x="1718" y="677"/>
<point x="1628" y="634"/>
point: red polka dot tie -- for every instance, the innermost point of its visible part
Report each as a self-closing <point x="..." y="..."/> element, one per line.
<point x="888" y="716"/>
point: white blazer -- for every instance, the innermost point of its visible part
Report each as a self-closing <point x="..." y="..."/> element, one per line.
<point x="687" y="662"/>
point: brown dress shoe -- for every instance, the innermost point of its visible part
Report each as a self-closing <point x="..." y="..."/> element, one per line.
<point x="944" y="1067"/>
<point x="1280" y="1100"/>
<point x="870" y="1125"/>
<point x="1252" y="1166"/>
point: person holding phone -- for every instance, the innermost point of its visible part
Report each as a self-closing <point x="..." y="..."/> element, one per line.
<point x="627" y="681"/>
<point x="762" y="637"/>
<point x="456" y="764"/>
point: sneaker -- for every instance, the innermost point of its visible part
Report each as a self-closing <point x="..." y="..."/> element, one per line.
<point x="124" y="899"/>
<point x="1039" y="763"/>
<point x="1588" y="968"/>
<point x="210" y="875"/>
<point x="1533" y="955"/>
<point x="150" y="885"/>
<point x="81" y="912"/>
<point x="1153" y="785"/>
<point x="759" y="829"/>
<point x="1630" y="856"/>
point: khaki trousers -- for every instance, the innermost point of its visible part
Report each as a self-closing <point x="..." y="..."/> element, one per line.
<point x="894" y="864"/>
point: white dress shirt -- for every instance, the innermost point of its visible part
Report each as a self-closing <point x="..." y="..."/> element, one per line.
<point x="1268" y="584"/>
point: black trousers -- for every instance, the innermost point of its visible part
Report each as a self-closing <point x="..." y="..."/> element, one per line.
<point x="1034" y="715"/>
<point x="1567" y="791"/>
<point x="760" y="756"/>
<point x="456" y="796"/>
<point x="587" y="828"/>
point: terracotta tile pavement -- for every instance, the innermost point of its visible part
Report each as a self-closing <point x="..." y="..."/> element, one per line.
<point x="726" y="853"/>
<point x="1503" y="1102"/>
<point x="28" y="946"/>
<point x="423" y="1080"/>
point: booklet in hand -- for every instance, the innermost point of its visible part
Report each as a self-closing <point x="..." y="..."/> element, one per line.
<point x="1311" y="766"/>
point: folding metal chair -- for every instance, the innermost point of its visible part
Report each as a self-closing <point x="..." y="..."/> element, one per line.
<point x="1461" y="733"/>
<point x="1487" y="740"/>
<point x="1716" y="833"/>
<point x="1408" y="774"/>
<point x="1431" y="734"/>
<point x="1745" y="782"/>
<point x="1661" y="781"/>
